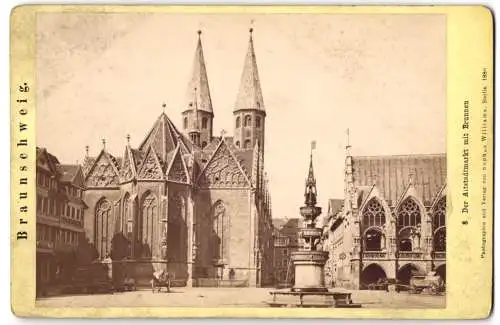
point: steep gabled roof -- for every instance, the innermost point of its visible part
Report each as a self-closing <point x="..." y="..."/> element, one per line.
<point x="67" y="172"/>
<point x="45" y="160"/>
<point x="392" y="174"/>
<point x="164" y="136"/>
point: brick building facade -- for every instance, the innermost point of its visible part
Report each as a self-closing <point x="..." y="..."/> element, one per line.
<point x="391" y="223"/>
<point x="187" y="201"/>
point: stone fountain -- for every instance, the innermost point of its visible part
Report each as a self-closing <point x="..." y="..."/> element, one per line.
<point x="309" y="260"/>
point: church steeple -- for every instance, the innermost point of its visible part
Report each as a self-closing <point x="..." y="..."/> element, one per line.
<point x="199" y="103"/>
<point x="249" y="110"/>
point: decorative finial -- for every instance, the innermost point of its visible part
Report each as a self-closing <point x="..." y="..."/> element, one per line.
<point x="87" y="150"/>
<point x="348" y="143"/>
<point x="251" y="30"/>
<point x="128" y="138"/>
<point x="104" y="143"/>
<point x="222" y="133"/>
<point x="199" y="33"/>
<point x="163" y="105"/>
<point x="410" y="177"/>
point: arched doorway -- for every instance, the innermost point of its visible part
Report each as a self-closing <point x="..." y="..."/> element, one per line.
<point x="406" y="272"/>
<point x="441" y="271"/>
<point x="371" y="275"/>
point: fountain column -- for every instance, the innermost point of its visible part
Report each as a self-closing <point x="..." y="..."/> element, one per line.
<point x="309" y="261"/>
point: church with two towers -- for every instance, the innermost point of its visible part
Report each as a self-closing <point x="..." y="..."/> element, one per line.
<point x="186" y="200"/>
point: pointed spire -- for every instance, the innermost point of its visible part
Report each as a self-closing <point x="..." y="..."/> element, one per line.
<point x="87" y="150"/>
<point x="250" y="93"/>
<point x="310" y="192"/>
<point x="199" y="80"/>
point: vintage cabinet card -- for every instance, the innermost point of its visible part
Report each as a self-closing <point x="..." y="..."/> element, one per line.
<point x="230" y="161"/>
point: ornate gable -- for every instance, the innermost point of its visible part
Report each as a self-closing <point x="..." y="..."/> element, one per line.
<point x="103" y="173"/>
<point x="177" y="171"/>
<point x="223" y="170"/>
<point x="151" y="167"/>
<point x="127" y="171"/>
<point x="44" y="161"/>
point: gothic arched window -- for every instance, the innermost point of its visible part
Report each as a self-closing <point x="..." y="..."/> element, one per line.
<point x="220" y="231"/>
<point x="440" y="240"/>
<point x="439" y="214"/>
<point x="237" y="144"/>
<point x="439" y="225"/>
<point x="248" y="144"/>
<point x="409" y="222"/>
<point x="257" y="122"/>
<point x="409" y="214"/>
<point x="103" y="227"/>
<point x="238" y="122"/>
<point x="149" y="215"/>
<point x="373" y="214"/>
<point x="128" y="226"/>
<point x="248" y="120"/>
<point x="204" y="123"/>
<point x="185" y="122"/>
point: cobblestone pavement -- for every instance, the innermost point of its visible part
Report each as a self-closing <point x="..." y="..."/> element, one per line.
<point x="229" y="297"/>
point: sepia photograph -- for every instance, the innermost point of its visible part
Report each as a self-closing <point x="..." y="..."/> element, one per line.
<point x="241" y="160"/>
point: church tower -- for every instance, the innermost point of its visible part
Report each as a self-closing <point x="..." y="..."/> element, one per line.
<point x="249" y="112"/>
<point x="197" y="117"/>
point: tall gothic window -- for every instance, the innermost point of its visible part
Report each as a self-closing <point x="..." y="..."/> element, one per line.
<point x="128" y="226"/>
<point x="439" y="214"/>
<point x="185" y="122"/>
<point x="177" y="230"/>
<point x="439" y="225"/>
<point x="220" y="231"/>
<point x="204" y="123"/>
<point x="248" y="144"/>
<point x="238" y="122"/>
<point x="248" y="120"/>
<point x="149" y="223"/>
<point x="257" y="122"/>
<point x="373" y="214"/>
<point x="409" y="214"/>
<point x="409" y="222"/>
<point x="102" y="227"/>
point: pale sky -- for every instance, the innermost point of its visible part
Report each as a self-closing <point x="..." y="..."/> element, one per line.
<point x="381" y="76"/>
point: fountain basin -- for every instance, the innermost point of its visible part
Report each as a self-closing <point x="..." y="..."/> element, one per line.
<point x="287" y="298"/>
